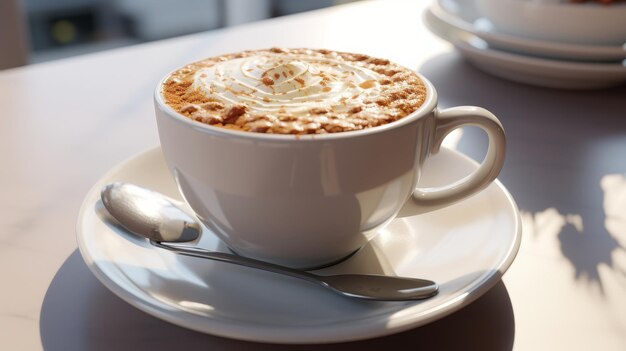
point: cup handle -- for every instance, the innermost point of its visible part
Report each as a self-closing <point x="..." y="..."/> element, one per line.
<point x="446" y="121"/>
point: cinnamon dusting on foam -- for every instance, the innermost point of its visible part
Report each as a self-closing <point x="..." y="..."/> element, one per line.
<point x="294" y="91"/>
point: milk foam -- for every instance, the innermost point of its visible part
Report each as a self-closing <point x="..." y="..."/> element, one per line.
<point x="269" y="83"/>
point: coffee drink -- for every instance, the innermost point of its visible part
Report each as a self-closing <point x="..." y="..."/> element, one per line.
<point x="294" y="91"/>
<point x="299" y="157"/>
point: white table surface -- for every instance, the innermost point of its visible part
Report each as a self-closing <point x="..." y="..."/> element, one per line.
<point x="63" y="124"/>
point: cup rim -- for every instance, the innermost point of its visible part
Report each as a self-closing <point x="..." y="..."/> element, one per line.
<point x="430" y="103"/>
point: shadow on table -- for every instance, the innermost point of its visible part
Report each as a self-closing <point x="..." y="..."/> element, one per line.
<point x="79" y="313"/>
<point x="561" y="144"/>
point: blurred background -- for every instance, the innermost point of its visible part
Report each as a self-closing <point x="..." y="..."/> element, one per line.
<point x="34" y="31"/>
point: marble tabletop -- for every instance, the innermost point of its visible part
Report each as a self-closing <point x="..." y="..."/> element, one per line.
<point x="65" y="123"/>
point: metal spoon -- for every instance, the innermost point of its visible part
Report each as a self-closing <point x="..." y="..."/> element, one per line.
<point x="154" y="216"/>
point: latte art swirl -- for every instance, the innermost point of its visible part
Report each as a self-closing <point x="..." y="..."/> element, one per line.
<point x="297" y="91"/>
<point x="275" y="83"/>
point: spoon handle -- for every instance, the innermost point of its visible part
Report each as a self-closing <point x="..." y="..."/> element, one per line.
<point x="238" y="260"/>
<point x="363" y="286"/>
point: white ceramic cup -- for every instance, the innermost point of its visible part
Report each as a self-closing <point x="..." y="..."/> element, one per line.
<point x="558" y="21"/>
<point x="306" y="201"/>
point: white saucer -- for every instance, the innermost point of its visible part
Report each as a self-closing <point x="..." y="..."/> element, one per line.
<point x="528" y="69"/>
<point x="464" y="16"/>
<point x="465" y="248"/>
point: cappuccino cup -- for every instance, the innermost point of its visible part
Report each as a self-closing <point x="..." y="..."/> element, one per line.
<point x="299" y="157"/>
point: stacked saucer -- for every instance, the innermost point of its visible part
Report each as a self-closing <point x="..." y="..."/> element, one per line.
<point x="574" y="62"/>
